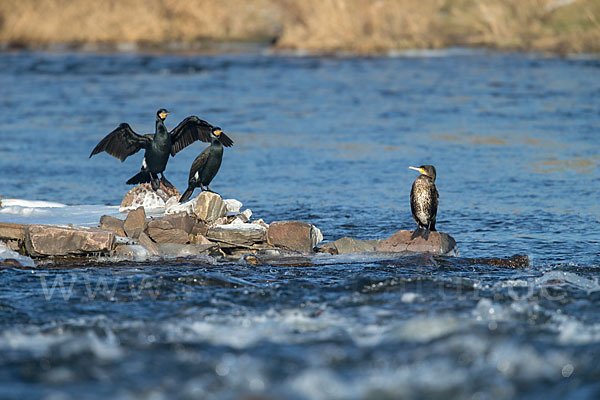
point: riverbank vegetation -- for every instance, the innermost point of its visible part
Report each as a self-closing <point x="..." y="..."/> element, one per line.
<point x="319" y="26"/>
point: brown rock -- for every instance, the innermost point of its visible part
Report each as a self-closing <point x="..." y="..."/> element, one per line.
<point x="199" y="239"/>
<point x="240" y="234"/>
<point x="12" y="231"/>
<point x="294" y="235"/>
<point x="200" y="228"/>
<point x="112" y="224"/>
<point x="182" y="221"/>
<point x="14" y="245"/>
<point x="401" y="241"/>
<point x="46" y="240"/>
<point x="168" y="235"/>
<point x="209" y="206"/>
<point x="148" y="244"/>
<point x="143" y="195"/>
<point x="134" y="223"/>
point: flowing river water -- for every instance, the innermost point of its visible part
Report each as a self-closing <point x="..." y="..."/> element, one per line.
<point x="514" y="138"/>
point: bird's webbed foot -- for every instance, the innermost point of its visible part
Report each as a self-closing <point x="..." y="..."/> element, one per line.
<point x="154" y="182"/>
<point x="418" y="232"/>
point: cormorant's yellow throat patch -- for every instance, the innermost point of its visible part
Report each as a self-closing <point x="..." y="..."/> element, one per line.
<point x="217" y="133"/>
<point x="421" y="170"/>
<point x="164" y="115"/>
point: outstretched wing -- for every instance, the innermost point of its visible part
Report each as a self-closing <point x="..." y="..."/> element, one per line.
<point x="191" y="129"/>
<point x="188" y="131"/>
<point x="227" y="142"/>
<point x="122" y="142"/>
<point x="199" y="162"/>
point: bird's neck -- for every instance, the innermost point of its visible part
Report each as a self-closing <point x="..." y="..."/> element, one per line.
<point x="216" y="143"/>
<point x="161" y="129"/>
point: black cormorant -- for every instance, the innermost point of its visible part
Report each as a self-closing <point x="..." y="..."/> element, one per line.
<point x="207" y="164"/>
<point x="424" y="198"/>
<point x="123" y="142"/>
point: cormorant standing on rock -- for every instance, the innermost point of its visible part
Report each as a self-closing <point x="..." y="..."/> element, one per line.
<point x="123" y="142"/>
<point x="424" y="198"/>
<point x="207" y="164"/>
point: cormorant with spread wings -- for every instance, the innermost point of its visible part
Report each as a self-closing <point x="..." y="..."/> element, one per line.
<point x="123" y="142"/>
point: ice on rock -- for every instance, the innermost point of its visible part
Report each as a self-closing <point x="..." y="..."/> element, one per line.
<point x="6" y="253"/>
<point x="233" y="205"/>
<point x="173" y="206"/>
<point x="30" y="203"/>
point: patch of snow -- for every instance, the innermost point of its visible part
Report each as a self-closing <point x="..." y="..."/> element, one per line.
<point x="242" y="226"/>
<point x="30" y="203"/>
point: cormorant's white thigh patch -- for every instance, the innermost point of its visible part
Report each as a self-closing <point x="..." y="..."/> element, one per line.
<point x="196" y="175"/>
<point x="144" y="165"/>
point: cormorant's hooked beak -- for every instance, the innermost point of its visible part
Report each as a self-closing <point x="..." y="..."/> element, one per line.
<point x="163" y="115"/>
<point x="421" y="170"/>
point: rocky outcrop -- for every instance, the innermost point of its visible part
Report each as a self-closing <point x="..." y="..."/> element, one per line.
<point x="134" y="223"/>
<point x="148" y="244"/>
<point x="407" y="241"/>
<point x="44" y="240"/>
<point x="143" y="196"/>
<point x="209" y="207"/>
<point x="113" y="224"/>
<point x="294" y="235"/>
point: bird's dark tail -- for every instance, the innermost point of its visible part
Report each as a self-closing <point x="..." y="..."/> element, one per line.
<point x="187" y="194"/>
<point x="140" y="177"/>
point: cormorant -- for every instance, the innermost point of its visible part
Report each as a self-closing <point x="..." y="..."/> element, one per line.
<point x="207" y="164"/>
<point x="123" y="142"/>
<point x="424" y="198"/>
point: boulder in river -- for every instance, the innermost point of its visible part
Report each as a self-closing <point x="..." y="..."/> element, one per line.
<point x="164" y="231"/>
<point x="208" y="207"/>
<point x="406" y="241"/>
<point x="238" y="234"/>
<point x="294" y="235"/>
<point x="134" y="223"/>
<point x="46" y="240"/>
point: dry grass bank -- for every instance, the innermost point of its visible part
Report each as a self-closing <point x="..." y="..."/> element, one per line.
<point x="360" y="26"/>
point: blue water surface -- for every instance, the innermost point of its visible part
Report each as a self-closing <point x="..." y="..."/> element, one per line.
<point x="328" y="140"/>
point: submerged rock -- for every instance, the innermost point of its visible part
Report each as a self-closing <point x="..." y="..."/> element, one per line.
<point x="113" y="224"/>
<point x="172" y="250"/>
<point x="134" y="223"/>
<point x="406" y="241"/>
<point x="294" y="235"/>
<point x="348" y="245"/>
<point x="143" y="195"/>
<point x="209" y="207"/>
<point x="46" y="240"/>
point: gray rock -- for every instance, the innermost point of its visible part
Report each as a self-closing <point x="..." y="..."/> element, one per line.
<point x="209" y="206"/>
<point x="45" y="240"/>
<point x="113" y="224"/>
<point x="347" y="245"/>
<point x="134" y="223"/>
<point x="237" y="234"/>
<point x="294" y="235"/>
<point x="171" y="250"/>
<point x="402" y="241"/>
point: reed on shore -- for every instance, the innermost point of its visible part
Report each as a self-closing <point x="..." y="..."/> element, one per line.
<point x="320" y="26"/>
